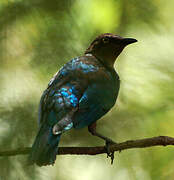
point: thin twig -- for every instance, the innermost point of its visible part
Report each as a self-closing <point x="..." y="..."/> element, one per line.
<point x="140" y="143"/>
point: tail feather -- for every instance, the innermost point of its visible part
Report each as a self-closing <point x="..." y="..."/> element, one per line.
<point x="45" y="147"/>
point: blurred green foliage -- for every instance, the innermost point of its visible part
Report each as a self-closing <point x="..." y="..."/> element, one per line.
<point x="38" y="37"/>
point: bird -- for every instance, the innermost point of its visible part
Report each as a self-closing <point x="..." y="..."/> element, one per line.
<point x="79" y="94"/>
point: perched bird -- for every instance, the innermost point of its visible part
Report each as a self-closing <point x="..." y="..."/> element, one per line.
<point x="78" y="95"/>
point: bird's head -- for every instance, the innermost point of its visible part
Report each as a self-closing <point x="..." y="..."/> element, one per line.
<point x="107" y="47"/>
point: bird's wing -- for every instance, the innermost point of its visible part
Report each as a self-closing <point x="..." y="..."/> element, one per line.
<point x="61" y="99"/>
<point x="57" y="106"/>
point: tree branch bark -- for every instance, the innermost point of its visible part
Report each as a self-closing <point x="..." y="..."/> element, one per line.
<point x="140" y="143"/>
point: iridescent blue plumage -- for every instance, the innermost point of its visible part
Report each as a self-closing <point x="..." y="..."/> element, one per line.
<point x="78" y="95"/>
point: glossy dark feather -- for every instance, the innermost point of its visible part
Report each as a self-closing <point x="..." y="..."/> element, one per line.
<point x="78" y="95"/>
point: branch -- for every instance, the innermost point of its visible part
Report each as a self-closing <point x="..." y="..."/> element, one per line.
<point x="140" y="143"/>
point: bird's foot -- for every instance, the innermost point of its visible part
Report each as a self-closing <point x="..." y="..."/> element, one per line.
<point x="109" y="152"/>
<point x="92" y="130"/>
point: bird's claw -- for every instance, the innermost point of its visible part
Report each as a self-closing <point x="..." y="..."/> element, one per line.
<point x="109" y="153"/>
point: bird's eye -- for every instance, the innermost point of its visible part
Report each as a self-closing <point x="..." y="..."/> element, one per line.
<point x="105" y="40"/>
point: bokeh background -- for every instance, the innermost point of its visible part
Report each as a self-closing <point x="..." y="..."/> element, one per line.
<point x="38" y="36"/>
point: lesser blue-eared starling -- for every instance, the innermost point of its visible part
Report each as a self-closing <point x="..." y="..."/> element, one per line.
<point x="78" y="95"/>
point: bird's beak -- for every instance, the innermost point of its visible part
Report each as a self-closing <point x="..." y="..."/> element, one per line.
<point x="127" y="41"/>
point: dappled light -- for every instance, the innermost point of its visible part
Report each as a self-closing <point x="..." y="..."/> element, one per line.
<point x="38" y="37"/>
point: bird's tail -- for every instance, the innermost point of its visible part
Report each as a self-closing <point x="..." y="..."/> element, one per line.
<point x="45" y="147"/>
